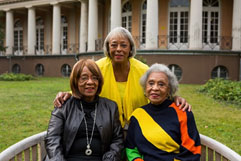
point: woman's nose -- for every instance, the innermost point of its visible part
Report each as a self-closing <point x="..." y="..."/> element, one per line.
<point x="155" y="87"/>
<point x="118" y="47"/>
<point x="90" y="81"/>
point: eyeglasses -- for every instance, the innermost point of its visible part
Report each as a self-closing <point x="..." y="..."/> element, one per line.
<point x="85" y="78"/>
<point x="160" y="85"/>
<point x="115" y="45"/>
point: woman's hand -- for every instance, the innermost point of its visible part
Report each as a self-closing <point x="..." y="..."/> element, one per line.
<point x="182" y="103"/>
<point x="60" y="98"/>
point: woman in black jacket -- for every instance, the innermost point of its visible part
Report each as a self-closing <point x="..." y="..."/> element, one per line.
<point x="87" y="127"/>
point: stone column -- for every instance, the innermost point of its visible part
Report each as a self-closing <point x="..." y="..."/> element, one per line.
<point x="83" y="26"/>
<point x="31" y="30"/>
<point x="92" y="24"/>
<point x="236" y="31"/>
<point x="115" y="13"/>
<point x="195" y="41"/>
<point x="9" y="32"/>
<point x="56" y="29"/>
<point x="152" y="24"/>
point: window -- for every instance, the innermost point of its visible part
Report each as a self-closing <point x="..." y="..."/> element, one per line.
<point x="126" y="16"/>
<point x="65" y="70"/>
<point x="39" y="70"/>
<point x="39" y="36"/>
<point x="143" y="22"/>
<point x="16" y="69"/>
<point x="64" y="36"/>
<point x="18" y="38"/>
<point x="210" y="24"/>
<point x="176" y="70"/>
<point x="176" y="3"/>
<point x="178" y="24"/>
<point x="219" y="72"/>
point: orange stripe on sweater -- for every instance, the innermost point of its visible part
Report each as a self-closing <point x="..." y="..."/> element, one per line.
<point x="138" y="159"/>
<point x="187" y="142"/>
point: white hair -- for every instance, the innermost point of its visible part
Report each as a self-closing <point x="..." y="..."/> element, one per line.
<point x="119" y="31"/>
<point x="172" y="80"/>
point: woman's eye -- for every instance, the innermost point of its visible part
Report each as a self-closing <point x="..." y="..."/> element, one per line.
<point x="113" y="45"/>
<point x="151" y="83"/>
<point x="84" y="78"/>
<point x="123" y="45"/>
<point x="95" y="78"/>
<point x="161" y="84"/>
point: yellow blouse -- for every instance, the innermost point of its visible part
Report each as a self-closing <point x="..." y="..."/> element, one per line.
<point x="121" y="87"/>
<point x="133" y="95"/>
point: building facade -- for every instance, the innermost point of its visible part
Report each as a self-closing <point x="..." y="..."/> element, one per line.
<point x="197" y="39"/>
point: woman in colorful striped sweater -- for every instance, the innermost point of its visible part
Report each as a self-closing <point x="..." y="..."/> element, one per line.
<point x="159" y="131"/>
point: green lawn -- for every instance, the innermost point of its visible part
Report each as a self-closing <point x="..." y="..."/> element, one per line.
<point x="25" y="109"/>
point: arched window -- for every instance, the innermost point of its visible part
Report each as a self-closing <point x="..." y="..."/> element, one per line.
<point x="39" y="70"/>
<point x="178" y="24"/>
<point x="220" y="72"/>
<point x="65" y="70"/>
<point x="127" y="15"/>
<point x="210" y="24"/>
<point x="143" y="22"/>
<point x="16" y="69"/>
<point x="176" y="70"/>
<point x="18" y="38"/>
<point x="39" y="36"/>
<point x="64" y="35"/>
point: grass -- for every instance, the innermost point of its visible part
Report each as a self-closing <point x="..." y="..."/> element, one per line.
<point x="218" y="120"/>
<point x="25" y="109"/>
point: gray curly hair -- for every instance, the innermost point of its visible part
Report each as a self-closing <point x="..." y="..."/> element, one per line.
<point x="119" y="31"/>
<point x="172" y="80"/>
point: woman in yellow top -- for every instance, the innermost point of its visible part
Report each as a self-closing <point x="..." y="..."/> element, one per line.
<point x="122" y="72"/>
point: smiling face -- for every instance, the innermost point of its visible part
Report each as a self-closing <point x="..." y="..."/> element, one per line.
<point x="88" y="85"/>
<point x="157" y="87"/>
<point x="119" y="48"/>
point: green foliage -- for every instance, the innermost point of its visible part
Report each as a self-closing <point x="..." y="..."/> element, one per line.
<point x="15" y="77"/>
<point x="222" y="89"/>
<point x="141" y="58"/>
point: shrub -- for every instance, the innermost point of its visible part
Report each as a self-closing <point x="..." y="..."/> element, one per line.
<point x="15" y="77"/>
<point x="221" y="89"/>
<point x="141" y="58"/>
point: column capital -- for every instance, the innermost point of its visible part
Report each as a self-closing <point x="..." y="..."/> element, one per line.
<point x="7" y="10"/>
<point x="54" y="3"/>
<point x="29" y="6"/>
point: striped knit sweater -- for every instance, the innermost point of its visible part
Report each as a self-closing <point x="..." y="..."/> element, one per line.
<point x="162" y="133"/>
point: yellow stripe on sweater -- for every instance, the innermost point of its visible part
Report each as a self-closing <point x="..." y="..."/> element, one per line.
<point x="154" y="133"/>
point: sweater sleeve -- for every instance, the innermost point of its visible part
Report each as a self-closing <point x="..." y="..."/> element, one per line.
<point x="190" y="149"/>
<point x="131" y="149"/>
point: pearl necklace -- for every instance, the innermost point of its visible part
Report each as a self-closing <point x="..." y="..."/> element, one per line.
<point x="88" y="151"/>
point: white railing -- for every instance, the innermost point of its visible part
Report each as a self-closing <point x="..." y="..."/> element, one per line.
<point x="32" y="148"/>
<point x="213" y="150"/>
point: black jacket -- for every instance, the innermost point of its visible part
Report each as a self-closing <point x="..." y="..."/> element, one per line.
<point x="65" y="122"/>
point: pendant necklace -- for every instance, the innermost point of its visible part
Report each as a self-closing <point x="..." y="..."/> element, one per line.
<point x="88" y="151"/>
